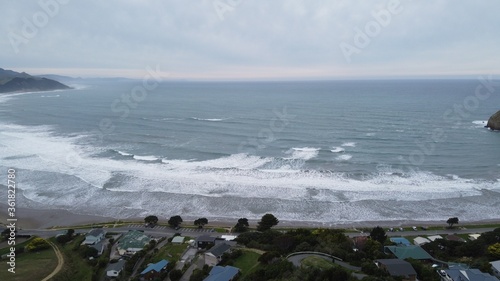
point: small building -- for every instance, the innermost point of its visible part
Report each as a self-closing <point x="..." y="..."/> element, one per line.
<point x="420" y="241"/>
<point x="205" y="241"/>
<point x="467" y="275"/>
<point x="132" y="242"/>
<point x="434" y="237"/>
<point x="400" y="241"/>
<point x="94" y="236"/>
<point x="99" y="246"/>
<point x="214" y="255"/>
<point x="397" y="267"/>
<point x="495" y="267"/>
<point x="178" y="240"/>
<point x="453" y="237"/>
<point x="114" y="269"/>
<point x="228" y="237"/>
<point x="154" y="270"/>
<point x="404" y="252"/>
<point x="223" y="273"/>
<point x="473" y="237"/>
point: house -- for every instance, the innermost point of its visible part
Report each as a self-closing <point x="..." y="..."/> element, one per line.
<point x="94" y="236"/>
<point x="466" y="275"/>
<point x="495" y="267"/>
<point x="473" y="237"/>
<point x="154" y="270"/>
<point x="99" y="246"/>
<point x="397" y="267"/>
<point x="205" y="241"/>
<point x="404" y="252"/>
<point x="452" y="237"/>
<point x="400" y="241"/>
<point x="228" y="237"/>
<point x="178" y="240"/>
<point x="222" y="273"/>
<point x="420" y="241"/>
<point x="434" y="237"/>
<point x="132" y="242"/>
<point x="214" y="255"/>
<point x="114" y="269"/>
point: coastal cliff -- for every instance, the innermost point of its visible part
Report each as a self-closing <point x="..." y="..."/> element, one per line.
<point x="11" y="81"/>
<point x="494" y="121"/>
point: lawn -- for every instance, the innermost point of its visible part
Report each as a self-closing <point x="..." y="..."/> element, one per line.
<point x="170" y="252"/>
<point x="247" y="263"/>
<point x="317" y="262"/>
<point x="75" y="267"/>
<point x="30" y="266"/>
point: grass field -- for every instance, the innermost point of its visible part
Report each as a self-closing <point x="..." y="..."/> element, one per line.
<point x="30" y="266"/>
<point x="170" y="252"/>
<point x="248" y="262"/>
<point x="317" y="262"/>
<point x="75" y="268"/>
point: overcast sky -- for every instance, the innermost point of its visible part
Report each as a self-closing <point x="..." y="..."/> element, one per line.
<point x="252" y="39"/>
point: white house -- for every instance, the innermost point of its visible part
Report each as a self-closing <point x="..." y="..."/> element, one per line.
<point x="214" y="255"/>
<point x="420" y="241"/>
<point x="114" y="269"/>
<point x="94" y="236"/>
<point x="434" y="237"/>
<point x="495" y="266"/>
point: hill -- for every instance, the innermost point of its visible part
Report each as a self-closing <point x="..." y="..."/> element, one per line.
<point x="11" y="81"/>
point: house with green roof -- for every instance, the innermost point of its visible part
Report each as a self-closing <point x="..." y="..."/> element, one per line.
<point x="405" y="252"/>
<point x="132" y="242"/>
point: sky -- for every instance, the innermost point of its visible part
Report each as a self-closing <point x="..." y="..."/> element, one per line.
<point x="252" y="39"/>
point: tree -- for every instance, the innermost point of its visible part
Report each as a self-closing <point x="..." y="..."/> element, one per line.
<point x="494" y="251"/>
<point x="378" y="234"/>
<point x="151" y="220"/>
<point x="70" y="233"/>
<point x="37" y="244"/>
<point x="452" y="221"/>
<point x="175" y="275"/>
<point x="175" y="221"/>
<point x="201" y="222"/>
<point x="242" y="225"/>
<point x="267" y="221"/>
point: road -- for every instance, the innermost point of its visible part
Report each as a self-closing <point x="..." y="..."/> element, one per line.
<point x="60" y="262"/>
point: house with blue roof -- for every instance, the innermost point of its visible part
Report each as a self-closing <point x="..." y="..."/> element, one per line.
<point x="154" y="270"/>
<point x="223" y="273"/>
<point x="400" y="241"/>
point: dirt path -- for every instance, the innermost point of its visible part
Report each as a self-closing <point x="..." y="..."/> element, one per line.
<point x="60" y="262"/>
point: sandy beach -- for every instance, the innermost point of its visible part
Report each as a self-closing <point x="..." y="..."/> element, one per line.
<point x="34" y="219"/>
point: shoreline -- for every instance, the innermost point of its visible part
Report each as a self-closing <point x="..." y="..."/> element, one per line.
<point x="47" y="218"/>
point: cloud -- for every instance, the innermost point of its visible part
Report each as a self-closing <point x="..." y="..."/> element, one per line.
<point x="292" y="38"/>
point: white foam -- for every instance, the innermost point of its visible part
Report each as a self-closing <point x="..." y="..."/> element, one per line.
<point x="208" y="119"/>
<point x="349" y="144"/>
<point x="344" y="157"/>
<point x="304" y="153"/>
<point x="146" y="158"/>
<point x="337" y="150"/>
<point x="53" y="96"/>
<point x="481" y="123"/>
<point x="124" y="153"/>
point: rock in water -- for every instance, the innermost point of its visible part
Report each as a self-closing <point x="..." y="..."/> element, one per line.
<point x="494" y="121"/>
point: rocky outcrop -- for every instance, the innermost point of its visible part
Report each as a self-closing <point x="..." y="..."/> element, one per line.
<point x="11" y="81"/>
<point x="494" y="121"/>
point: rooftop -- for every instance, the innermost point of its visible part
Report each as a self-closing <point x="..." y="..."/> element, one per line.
<point x="117" y="266"/>
<point x="404" y="252"/>
<point x="470" y="275"/>
<point x="133" y="240"/>
<point x="96" y="232"/>
<point x="397" y="267"/>
<point x="219" y="249"/>
<point x="178" y="239"/>
<point x="222" y="273"/>
<point x="206" y="238"/>
<point x="155" y="267"/>
<point x="400" y="240"/>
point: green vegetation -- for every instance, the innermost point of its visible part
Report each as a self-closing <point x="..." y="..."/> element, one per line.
<point x="175" y="221"/>
<point x="151" y="220"/>
<point x="37" y="244"/>
<point x="201" y="222"/>
<point x="170" y="252"/>
<point x="19" y="247"/>
<point x="266" y="222"/>
<point x="247" y="262"/>
<point x="30" y="266"/>
<point x="242" y="225"/>
<point x="317" y="262"/>
<point x="452" y="221"/>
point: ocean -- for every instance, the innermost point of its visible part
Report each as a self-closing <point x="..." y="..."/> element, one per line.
<point x="329" y="152"/>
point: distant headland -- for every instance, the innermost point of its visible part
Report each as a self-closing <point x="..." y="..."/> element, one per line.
<point x="11" y="81"/>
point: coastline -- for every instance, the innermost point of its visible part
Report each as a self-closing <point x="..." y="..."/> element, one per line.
<point x="46" y="218"/>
